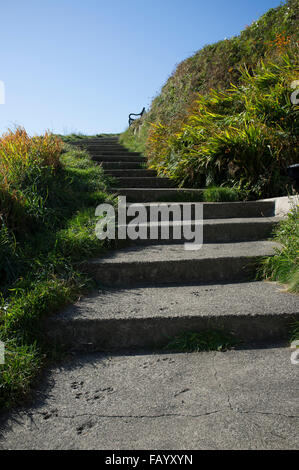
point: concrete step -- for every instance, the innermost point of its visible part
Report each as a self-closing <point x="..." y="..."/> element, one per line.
<point x="135" y="318"/>
<point x="211" y="210"/>
<point x="213" y="230"/>
<point x="123" y="165"/>
<point x="241" y="399"/>
<point x="98" y="140"/>
<point x="144" y="182"/>
<point x="142" y="265"/>
<point x="121" y="152"/>
<point x="106" y="148"/>
<point x="102" y="141"/>
<point x="160" y="194"/>
<point x="100" y="144"/>
<point x="132" y="173"/>
<point x="118" y="158"/>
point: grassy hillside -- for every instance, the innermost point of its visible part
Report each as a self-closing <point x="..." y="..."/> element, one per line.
<point x="225" y="114"/>
<point x="48" y="194"/>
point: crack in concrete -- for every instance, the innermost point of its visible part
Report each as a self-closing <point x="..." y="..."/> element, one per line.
<point x="267" y="413"/>
<point x="163" y="415"/>
<point x="261" y="427"/>
<point x="221" y="387"/>
<point x="169" y="415"/>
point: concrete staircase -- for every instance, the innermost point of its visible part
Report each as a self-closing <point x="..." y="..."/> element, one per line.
<point x="132" y="179"/>
<point x="153" y="289"/>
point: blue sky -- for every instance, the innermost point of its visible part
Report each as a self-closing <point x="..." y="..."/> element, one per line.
<point x="84" y="65"/>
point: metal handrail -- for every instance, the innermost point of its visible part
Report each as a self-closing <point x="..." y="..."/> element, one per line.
<point x="132" y="114"/>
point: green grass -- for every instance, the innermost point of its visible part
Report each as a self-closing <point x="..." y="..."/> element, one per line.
<point x="221" y="194"/>
<point x="40" y="270"/>
<point x="212" y="194"/>
<point x="211" y="340"/>
<point x="284" y="265"/>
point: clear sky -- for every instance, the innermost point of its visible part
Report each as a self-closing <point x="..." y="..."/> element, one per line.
<point x="84" y="65"/>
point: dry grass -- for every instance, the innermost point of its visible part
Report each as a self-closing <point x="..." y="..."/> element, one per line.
<point x="19" y="152"/>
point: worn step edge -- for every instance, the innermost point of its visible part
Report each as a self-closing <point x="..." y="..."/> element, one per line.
<point x="221" y="210"/>
<point x="144" y="181"/>
<point x="97" y="141"/>
<point x="118" y="158"/>
<point x="154" y="194"/>
<point x="135" y="273"/>
<point x="132" y="333"/>
<point x="98" y="153"/>
<point x="102" y="144"/>
<point x="214" y="231"/>
<point x="123" y="165"/>
<point x="133" y="173"/>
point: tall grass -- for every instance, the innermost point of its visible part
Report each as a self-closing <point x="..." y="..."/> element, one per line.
<point x="19" y="153"/>
<point x="48" y="194"/>
<point x="284" y="266"/>
<point x="244" y="137"/>
<point x="27" y="166"/>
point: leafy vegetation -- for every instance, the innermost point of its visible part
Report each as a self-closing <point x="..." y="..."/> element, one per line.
<point x="284" y="266"/>
<point x="48" y="192"/>
<point x="244" y="137"/>
<point x="225" y="118"/>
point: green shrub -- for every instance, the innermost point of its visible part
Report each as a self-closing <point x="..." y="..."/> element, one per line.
<point x="244" y="137"/>
<point x="284" y="266"/>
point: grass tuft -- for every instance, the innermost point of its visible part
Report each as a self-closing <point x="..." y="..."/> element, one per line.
<point x="284" y="265"/>
<point x="211" y="340"/>
<point x="221" y="194"/>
